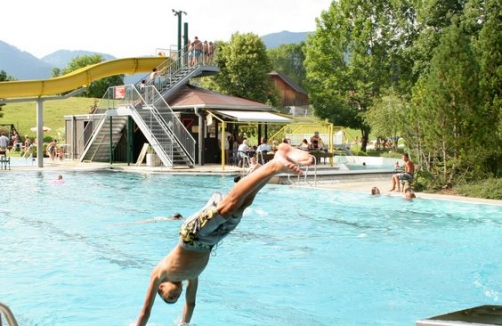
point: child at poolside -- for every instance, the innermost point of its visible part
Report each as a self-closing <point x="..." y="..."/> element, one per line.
<point x="206" y="228"/>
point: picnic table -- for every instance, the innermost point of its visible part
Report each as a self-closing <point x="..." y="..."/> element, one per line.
<point x="319" y="154"/>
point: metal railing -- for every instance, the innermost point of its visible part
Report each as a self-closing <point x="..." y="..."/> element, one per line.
<point x="89" y="133"/>
<point x="11" y="320"/>
<point x="147" y="92"/>
<point x="158" y="111"/>
<point x="177" y="62"/>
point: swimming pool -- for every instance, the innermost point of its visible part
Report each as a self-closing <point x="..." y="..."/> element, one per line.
<point x="366" y="163"/>
<point x="361" y="167"/>
<point x="74" y="254"/>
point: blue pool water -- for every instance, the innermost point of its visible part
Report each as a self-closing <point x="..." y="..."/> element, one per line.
<point x="74" y="254"/>
<point x="360" y="167"/>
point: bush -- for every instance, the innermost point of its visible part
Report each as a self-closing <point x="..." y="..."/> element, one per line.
<point x="488" y="188"/>
<point x="424" y="181"/>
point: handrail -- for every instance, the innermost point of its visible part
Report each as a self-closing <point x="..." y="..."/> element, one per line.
<point x="93" y="129"/>
<point x="137" y="95"/>
<point x="163" y="146"/>
<point x="170" y="122"/>
<point x="131" y="97"/>
<point x="305" y="174"/>
<point x="11" y="320"/>
<point x="176" y="61"/>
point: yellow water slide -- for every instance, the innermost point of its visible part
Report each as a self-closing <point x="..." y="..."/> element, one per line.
<point x="78" y="78"/>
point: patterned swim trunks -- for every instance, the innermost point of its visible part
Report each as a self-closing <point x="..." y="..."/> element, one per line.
<point x="204" y="229"/>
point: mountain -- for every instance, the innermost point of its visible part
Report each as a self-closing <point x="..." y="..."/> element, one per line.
<point x="275" y="40"/>
<point x="21" y="64"/>
<point x="24" y="66"/>
<point x="62" y="58"/>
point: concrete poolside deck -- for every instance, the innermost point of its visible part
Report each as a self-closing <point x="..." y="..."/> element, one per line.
<point x="327" y="177"/>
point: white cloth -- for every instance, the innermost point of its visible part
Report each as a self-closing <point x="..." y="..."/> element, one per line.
<point x="263" y="148"/>
<point x="227" y="136"/>
<point x="4" y="141"/>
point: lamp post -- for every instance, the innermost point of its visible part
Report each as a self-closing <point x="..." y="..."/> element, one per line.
<point x="179" y="13"/>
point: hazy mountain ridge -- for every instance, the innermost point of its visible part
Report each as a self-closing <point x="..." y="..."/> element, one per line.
<point x="275" y="40"/>
<point x="25" y="66"/>
<point x="21" y="64"/>
<point x="61" y="58"/>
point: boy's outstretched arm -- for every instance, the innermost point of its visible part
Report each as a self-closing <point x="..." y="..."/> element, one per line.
<point x="190" y="297"/>
<point x="144" y="314"/>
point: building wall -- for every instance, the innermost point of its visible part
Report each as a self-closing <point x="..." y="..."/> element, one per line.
<point x="289" y="96"/>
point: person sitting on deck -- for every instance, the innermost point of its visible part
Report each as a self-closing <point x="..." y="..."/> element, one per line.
<point x="263" y="147"/>
<point x="243" y="153"/>
<point x="409" y="170"/>
<point x="4" y="144"/>
<point x="304" y="146"/>
<point x="316" y="141"/>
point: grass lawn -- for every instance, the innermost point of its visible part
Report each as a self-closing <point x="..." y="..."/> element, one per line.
<point x="23" y="115"/>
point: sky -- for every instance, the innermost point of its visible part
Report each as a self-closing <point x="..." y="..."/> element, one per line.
<point x="130" y="28"/>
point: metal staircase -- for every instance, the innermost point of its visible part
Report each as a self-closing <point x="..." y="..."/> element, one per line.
<point x="180" y="77"/>
<point x="168" y="137"/>
<point x="160" y="133"/>
<point x="107" y="135"/>
<point x="155" y="118"/>
<point x="177" y="72"/>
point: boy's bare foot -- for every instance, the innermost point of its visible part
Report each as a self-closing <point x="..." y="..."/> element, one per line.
<point x="293" y="155"/>
<point x="288" y="158"/>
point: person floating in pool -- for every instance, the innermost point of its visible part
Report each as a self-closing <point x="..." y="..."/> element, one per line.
<point x="375" y="191"/>
<point x="59" y="180"/>
<point x="206" y="228"/>
<point x="409" y="194"/>
<point x="175" y="217"/>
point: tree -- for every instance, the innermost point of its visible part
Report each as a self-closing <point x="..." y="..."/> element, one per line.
<point x="288" y="59"/>
<point x="387" y="116"/>
<point x="97" y="88"/>
<point x="488" y="47"/>
<point x="348" y="60"/>
<point x="244" y="68"/>
<point x="4" y="77"/>
<point x="447" y="98"/>
<point x="56" y="72"/>
<point x="433" y="16"/>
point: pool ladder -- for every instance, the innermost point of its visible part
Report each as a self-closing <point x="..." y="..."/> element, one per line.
<point x="11" y="321"/>
<point x="305" y="175"/>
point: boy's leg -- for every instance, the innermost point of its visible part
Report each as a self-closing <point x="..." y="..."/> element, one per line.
<point x="394" y="178"/>
<point x="244" y="191"/>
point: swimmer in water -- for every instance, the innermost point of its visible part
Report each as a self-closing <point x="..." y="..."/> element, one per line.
<point x="175" y="217"/>
<point x="409" y="194"/>
<point x="206" y="228"/>
<point x="375" y="191"/>
<point x="59" y="180"/>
